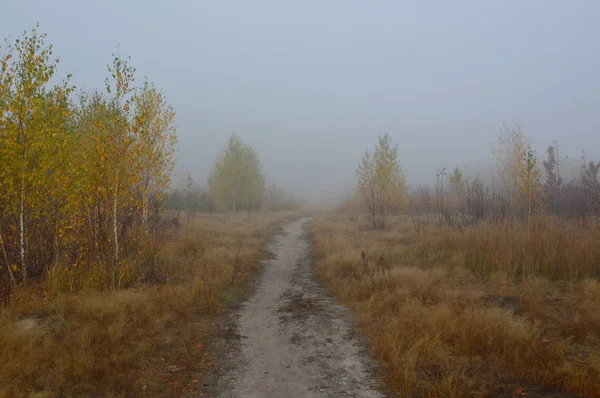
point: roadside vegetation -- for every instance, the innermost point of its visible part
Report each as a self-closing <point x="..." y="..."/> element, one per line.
<point x="105" y="290"/>
<point x="146" y="340"/>
<point x="472" y="287"/>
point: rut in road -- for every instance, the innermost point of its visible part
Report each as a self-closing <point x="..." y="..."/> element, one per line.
<point x="295" y="340"/>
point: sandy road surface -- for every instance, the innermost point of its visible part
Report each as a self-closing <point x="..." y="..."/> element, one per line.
<point x="290" y="339"/>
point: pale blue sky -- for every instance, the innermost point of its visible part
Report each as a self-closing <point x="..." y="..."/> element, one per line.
<point x="311" y="83"/>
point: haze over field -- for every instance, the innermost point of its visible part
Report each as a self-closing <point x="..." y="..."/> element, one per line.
<point x="372" y="198"/>
<point x="311" y="84"/>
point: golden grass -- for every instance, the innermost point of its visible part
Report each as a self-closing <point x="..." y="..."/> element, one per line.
<point x="124" y="343"/>
<point x="445" y="326"/>
<point x="549" y="248"/>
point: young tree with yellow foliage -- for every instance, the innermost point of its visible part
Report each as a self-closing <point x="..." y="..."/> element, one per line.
<point x="77" y="180"/>
<point x="34" y="140"/>
<point x="121" y="146"/>
<point x="381" y="182"/>
<point x="236" y="179"/>
<point x="509" y="149"/>
<point x="457" y="187"/>
<point x="6" y="78"/>
<point x="153" y="126"/>
<point x="519" y="172"/>
<point x="529" y="185"/>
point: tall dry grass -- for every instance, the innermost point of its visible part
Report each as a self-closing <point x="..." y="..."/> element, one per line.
<point x="550" y="248"/>
<point x="490" y="310"/>
<point x="129" y="342"/>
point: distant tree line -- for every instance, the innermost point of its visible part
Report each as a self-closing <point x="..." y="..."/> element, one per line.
<point x="519" y="186"/>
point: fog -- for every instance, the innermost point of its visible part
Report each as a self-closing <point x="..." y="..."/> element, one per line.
<point x="310" y="84"/>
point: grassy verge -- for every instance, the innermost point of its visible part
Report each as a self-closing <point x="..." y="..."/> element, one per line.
<point x="140" y="341"/>
<point x="491" y="310"/>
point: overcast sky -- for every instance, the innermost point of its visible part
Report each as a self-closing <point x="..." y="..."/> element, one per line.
<point x="310" y="84"/>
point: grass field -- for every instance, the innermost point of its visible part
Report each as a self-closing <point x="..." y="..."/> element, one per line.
<point x="490" y="310"/>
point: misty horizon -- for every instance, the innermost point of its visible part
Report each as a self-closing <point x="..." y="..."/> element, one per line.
<point x="311" y="95"/>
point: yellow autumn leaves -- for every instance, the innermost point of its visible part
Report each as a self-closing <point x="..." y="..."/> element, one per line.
<point x="236" y="180"/>
<point x="381" y="183"/>
<point x="81" y="174"/>
<point x="518" y="170"/>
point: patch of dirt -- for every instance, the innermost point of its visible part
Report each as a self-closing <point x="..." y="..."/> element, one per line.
<point x="296" y="303"/>
<point x="31" y="321"/>
<point x="290" y="339"/>
<point x="505" y="302"/>
<point x="26" y="324"/>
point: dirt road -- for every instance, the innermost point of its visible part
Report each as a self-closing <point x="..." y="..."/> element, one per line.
<point x="291" y="338"/>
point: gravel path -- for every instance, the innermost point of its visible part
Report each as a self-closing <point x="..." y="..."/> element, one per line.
<point x="290" y="339"/>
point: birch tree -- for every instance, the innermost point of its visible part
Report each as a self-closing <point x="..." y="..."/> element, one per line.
<point x="34" y="134"/>
<point x="121" y="144"/>
<point x="77" y="179"/>
<point x="153" y="126"/>
<point x="553" y="177"/>
<point x="457" y="188"/>
<point x="529" y="185"/>
<point x="510" y="155"/>
<point x="236" y="179"/>
<point x="367" y="188"/>
<point x="6" y="79"/>
<point x="590" y="182"/>
<point x="381" y="182"/>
